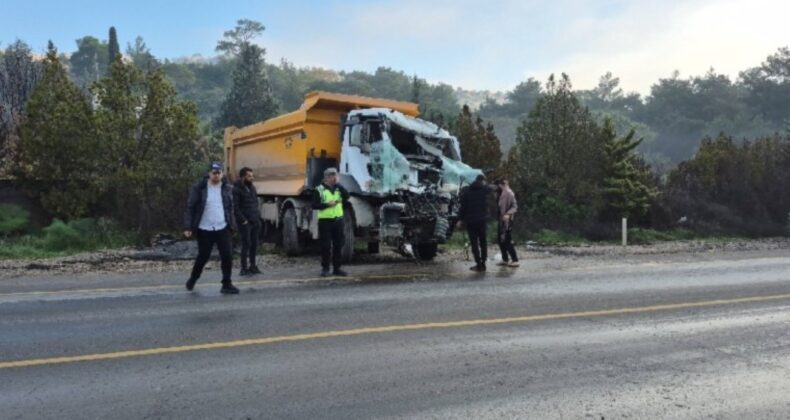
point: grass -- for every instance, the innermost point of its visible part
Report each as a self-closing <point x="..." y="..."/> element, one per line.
<point x="61" y="239"/>
<point x="547" y="237"/>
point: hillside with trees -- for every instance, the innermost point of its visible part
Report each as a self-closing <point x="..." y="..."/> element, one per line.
<point x="706" y="153"/>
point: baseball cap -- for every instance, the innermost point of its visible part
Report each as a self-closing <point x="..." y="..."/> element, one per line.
<point x="215" y="166"/>
<point x="330" y="171"/>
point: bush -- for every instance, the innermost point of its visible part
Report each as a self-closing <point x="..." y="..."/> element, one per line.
<point x="13" y="220"/>
<point x="61" y="238"/>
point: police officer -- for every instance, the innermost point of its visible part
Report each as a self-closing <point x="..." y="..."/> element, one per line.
<point x="328" y="199"/>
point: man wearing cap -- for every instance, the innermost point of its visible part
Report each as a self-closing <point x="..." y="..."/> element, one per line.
<point x="328" y="199"/>
<point x="209" y="217"/>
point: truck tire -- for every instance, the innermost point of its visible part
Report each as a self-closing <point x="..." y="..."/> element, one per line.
<point x="291" y="240"/>
<point x="374" y="247"/>
<point x="426" y="251"/>
<point x="347" y="253"/>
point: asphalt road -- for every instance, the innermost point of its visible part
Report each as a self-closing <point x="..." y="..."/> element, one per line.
<point x="687" y="337"/>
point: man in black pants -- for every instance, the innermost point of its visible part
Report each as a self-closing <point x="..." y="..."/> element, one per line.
<point x="245" y="203"/>
<point x="210" y="217"/>
<point x="328" y="199"/>
<point x="507" y="207"/>
<point x="474" y="214"/>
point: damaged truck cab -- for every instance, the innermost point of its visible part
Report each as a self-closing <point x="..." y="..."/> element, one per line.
<point x="404" y="174"/>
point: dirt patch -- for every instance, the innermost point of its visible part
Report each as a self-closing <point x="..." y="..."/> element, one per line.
<point x="177" y="256"/>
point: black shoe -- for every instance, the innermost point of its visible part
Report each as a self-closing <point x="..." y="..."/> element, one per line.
<point x="191" y="284"/>
<point x="255" y="270"/>
<point x="244" y="272"/>
<point x="325" y="272"/>
<point x="339" y="272"/>
<point x="475" y="268"/>
<point x="229" y="289"/>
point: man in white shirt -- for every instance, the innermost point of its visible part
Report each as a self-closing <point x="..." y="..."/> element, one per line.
<point x="209" y="216"/>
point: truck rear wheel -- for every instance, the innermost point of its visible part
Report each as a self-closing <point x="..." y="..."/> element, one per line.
<point x="347" y="253"/>
<point x="291" y="239"/>
<point x="426" y="251"/>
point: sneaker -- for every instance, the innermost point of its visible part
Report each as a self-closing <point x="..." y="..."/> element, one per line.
<point x="339" y="272"/>
<point x="191" y="284"/>
<point x="244" y="272"/>
<point x="477" y="268"/>
<point x="229" y="289"/>
<point x="513" y="264"/>
<point x="255" y="270"/>
<point x="502" y="263"/>
<point x="325" y="272"/>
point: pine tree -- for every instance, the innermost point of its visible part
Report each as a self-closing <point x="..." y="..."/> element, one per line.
<point x="626" y="192"/>
<point x="250" y="99"/>
<point x="59" y="151"/>
<point x="113" y="49"/>
<point x="480" y="147"/>
<point x="149" y="135"/>
<point x="560" y="157"/>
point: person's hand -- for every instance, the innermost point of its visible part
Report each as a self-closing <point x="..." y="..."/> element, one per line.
<point x="459" y="225"/>
<point x="188" y="233"/>
<point x="243" y="222"/>
<point x="506" y="218"/>
<point x="331" y="203"/>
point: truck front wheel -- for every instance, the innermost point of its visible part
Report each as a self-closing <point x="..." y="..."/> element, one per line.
<point x="291" y="240"/>
<point x="426" y="251"/>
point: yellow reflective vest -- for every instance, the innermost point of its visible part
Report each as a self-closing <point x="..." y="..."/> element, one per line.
<point x="334" y="212"/>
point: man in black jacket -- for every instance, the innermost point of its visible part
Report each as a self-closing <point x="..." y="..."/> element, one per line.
<point x="245" y="202"/>
<point x="474" y="214"/>
<point x="210" y="217"/>
<point x="328" y="199"/>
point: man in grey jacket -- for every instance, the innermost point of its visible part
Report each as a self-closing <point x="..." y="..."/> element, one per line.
<point x="507" y="206"/>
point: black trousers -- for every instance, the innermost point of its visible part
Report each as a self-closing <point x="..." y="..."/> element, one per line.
<point x="330" y="235"/>
<point x="477" y="236"/>
<point x="249" y="243"/>
<point x="506" y="246"/>
<point x="206" y="240"/>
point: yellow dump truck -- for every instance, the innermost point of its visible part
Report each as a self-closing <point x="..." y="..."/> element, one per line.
<point x="403" y="174"/>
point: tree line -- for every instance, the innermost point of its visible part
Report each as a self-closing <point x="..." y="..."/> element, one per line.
<point x="99" y="131"/>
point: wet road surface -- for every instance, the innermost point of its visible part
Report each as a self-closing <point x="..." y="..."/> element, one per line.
<point x="672" y="338"/>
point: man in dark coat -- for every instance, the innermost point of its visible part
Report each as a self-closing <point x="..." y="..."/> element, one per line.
<point x="210" y="218"/>
<point x="245" y="202"/>
<point x="474" y="214"/>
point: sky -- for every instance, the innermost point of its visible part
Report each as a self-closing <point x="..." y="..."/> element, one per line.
<point x="474" y="44"/>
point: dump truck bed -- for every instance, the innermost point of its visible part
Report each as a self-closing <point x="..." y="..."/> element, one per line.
<point x="278" y="150"/>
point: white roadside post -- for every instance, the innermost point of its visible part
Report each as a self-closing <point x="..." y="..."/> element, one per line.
<point x="625" y="231"/>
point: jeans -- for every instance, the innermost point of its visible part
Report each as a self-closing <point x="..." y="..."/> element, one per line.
<point x="249" y="244"/>
<point x="206" y="240"/>
<point x="506" y="242"/>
